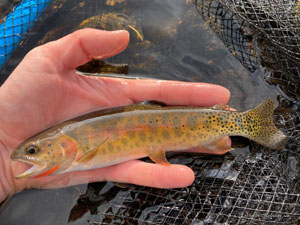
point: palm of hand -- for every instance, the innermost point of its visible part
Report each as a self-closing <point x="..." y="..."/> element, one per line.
<point x="45" y="89"/>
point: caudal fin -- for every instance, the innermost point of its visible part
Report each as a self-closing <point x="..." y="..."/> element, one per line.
<point x="259" y="126"/>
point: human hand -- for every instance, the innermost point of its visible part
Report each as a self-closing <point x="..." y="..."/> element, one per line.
<point x="44" y="89"/>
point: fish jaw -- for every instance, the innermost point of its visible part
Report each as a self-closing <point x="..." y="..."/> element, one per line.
<point x="37" y="167"/>
<point x="37" y="171"/>
<point x="31" y="172"/>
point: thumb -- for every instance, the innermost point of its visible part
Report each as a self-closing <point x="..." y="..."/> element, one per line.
<point x="81" y="46"/>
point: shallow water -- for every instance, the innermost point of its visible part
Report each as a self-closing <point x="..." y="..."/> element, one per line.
<point x="239" y="188"/>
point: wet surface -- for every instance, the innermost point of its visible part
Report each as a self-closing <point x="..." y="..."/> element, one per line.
<point x="170" y="40"/>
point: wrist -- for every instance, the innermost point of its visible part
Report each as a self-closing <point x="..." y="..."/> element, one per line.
<point x="7" y="182"/>
<point x="10" y="120"/>
<point x="8" y="141"/>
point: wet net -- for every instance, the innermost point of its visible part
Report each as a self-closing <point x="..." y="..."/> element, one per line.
<point x="251" y="185"/>
<point x="260" y="33"/>
<point x="264" y="36"/>
<point x="227" y="190"/>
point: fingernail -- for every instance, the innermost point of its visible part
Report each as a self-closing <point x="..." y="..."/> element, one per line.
<point x="118" y="31"/>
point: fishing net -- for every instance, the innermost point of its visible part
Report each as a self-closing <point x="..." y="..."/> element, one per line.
<point x="260" y="33"/>
<point x="227" y="190"/>
<point x="15" y="24"/>
<point x="251" y="185"/>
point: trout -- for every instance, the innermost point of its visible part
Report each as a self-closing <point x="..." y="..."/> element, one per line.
<point x="111" y="136"/>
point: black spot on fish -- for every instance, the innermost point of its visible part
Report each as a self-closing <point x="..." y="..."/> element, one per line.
<point x="152" y="120"/>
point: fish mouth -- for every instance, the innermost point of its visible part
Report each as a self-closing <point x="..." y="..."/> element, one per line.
<point x="31" y="172"/>
<point x="35" y="169"/>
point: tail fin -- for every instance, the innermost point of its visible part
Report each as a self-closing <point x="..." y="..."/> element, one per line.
<point x="259" y="126"/>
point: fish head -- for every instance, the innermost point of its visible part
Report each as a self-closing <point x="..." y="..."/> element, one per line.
<point x="46" y="155"/>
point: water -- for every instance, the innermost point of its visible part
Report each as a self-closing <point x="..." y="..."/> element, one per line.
<point x="178" y="45"/>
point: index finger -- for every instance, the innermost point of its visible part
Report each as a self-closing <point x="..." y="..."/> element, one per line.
<point x="178" y="93"/>
<point x="167" y="91"/>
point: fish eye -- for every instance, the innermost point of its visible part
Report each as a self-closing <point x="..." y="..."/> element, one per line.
<point x="31" y="149"/>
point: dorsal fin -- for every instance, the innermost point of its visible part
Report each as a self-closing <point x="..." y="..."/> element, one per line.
<point x="151" y="103"/>
<point x="102" y="112"/>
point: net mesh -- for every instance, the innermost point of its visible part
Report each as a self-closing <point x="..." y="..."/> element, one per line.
<point x="260" y="33"/>
<point x="255" y="186"/>
<point x="264" y="36"/>
<point x="227" y="190"/>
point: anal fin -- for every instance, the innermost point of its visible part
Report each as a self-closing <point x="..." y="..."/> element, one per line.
<point x="222" y="143"/>
<point x="159" y="157"/>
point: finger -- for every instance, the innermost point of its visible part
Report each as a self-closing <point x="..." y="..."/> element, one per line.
<point x="152" y="175"/>
<point x="170" y="92"/>
<point x="181" y="93"/>
<point x="81" y="46"/>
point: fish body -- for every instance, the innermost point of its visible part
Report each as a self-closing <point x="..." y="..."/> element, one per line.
<point x="116" y="135"/>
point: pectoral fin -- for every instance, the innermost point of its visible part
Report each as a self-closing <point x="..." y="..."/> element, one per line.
<point x="88" y="156"/>
<point x="159" y="157"/>
<point x="149" y="104"/>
